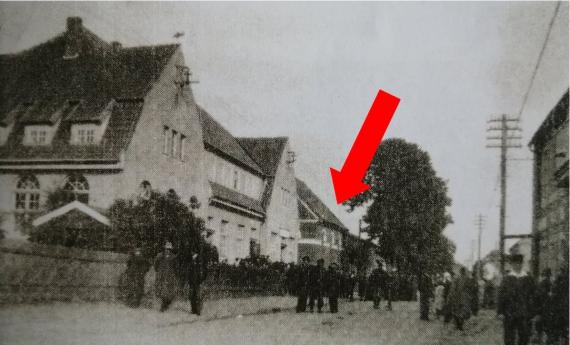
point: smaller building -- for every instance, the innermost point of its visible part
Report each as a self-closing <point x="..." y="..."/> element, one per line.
<point x="523" y="247"/>
<point x="322" y="233"/>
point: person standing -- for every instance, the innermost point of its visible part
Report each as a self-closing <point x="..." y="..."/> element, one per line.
<point x="439" y="298"/>
<point x="333" y="285"/>
<point x="460" y="299"/>
<point x="374" y="284"/>
<point x="474" y="293"/>
<point x="351" y="285"/>
<point x="544" y="306"/>
<point x="516" y="303"/>
<point x="301" y="286"/>
<point x="362" y="280"/>
<point x="425" y="288"/>
<point x="447" y="281"/>
<point x="137" y="267"/>
<point x="316" y="284"/>
<point x="560" y="306"/>
<point x="166" y="278"/>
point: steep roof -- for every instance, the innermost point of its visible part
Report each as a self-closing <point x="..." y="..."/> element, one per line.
<point x="266" y="152"/>
<point x="46" y="84"/>
<point x="317" y="207"/>
<point x="557" y="116"/>
<point x="219" y="140"/>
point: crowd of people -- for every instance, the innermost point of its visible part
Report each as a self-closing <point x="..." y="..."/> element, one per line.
<point x="313" y="283"/>
<point x="530" y="310"/>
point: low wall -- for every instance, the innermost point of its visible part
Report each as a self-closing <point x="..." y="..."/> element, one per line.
<point x="31" y="272"/>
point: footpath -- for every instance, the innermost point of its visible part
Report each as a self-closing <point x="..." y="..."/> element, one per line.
<point x="72" y="323"/>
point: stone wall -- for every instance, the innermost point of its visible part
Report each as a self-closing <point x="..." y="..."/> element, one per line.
<point x="32" y="272"/>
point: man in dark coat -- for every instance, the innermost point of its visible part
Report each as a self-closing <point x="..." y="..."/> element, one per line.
<point x="560" y="306"/>
<point x="137" y="267"/>
<point x="544" y="306"/>
<point x="459" y="299"/>
<point x="316" y="285"/>
<point x="333" y="286"/>
<point x="374" y="284"/>
<point x="351" y="285"/>
<point x="302" y="281"/>
<point x="425" y="287"/>
<point x="362" y="280"/>
<point x="166" y="283"/>
<point x="516" y="303"/>
<point x="474" y="293"/>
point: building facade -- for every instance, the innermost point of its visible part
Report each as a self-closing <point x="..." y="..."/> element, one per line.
<point x="235" y="214"/>
<point x="96" y="119"/>
<point x="550" y="190"/>
<point x="322" y="233"/>
<point x="281" y="229"/>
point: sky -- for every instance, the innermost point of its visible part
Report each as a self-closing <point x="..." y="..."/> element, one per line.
<point x="310" y="71"/>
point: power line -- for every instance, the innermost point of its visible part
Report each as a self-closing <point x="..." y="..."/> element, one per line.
<point x="540" y="55"/>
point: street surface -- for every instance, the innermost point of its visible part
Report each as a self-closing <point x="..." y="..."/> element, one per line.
<point x="356" y="323"/>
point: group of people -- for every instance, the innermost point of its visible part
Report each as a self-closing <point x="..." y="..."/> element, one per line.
<point x="528" y="309"/>
<point x="173" y="272"/>
<point x="315" y="282"/>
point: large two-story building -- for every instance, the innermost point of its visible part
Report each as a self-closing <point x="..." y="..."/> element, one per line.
<point x="96" y="119"/>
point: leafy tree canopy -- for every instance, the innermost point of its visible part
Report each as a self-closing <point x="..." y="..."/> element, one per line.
<point x="407" y="209"/>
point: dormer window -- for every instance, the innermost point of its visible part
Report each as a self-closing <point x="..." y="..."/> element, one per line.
<point x="39" y="135"/>
<point x="84" y="135"/>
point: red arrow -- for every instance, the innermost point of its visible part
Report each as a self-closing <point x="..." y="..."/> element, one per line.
<point x="347" y="182"/>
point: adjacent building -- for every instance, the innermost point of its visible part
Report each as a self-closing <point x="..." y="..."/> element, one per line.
<point x="95" y="119"/>
<point x="322" y="233"/>
<point x="550" y="197"/>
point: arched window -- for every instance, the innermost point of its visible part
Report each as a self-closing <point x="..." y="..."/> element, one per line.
<point x="78" y="187"/>
<point x="27" y="193"/>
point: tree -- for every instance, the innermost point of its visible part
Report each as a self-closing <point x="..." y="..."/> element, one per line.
<point x="407" y="209"/>
<point x="150" y="223"/>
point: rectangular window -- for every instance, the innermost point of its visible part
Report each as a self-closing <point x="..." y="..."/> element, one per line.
<point x="182" y="148"/>
<point x="20" y="201"/>
<point x="90" y="136"/>
<point x="174" y="147"/>
<point x="34" y="202"/>
<point x="241" y="232"/>
<point x="236" y="178"/>
<point x="165" y="139"/>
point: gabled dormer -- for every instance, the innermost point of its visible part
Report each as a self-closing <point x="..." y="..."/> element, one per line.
<point x="90" y="130"/>
<point x="40" y="121"/>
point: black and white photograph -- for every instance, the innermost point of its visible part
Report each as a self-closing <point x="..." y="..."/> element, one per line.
<point x="290" y="173"/>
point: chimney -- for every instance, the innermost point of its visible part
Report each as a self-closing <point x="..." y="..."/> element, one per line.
<point x="116" y="46"/>
<point x="74" y="24"/>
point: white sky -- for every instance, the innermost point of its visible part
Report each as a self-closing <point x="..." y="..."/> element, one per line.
<point x="311" y="70"/>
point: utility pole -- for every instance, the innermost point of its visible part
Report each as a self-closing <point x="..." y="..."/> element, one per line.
<point x="504" y="141"/>
<point x="479" y="222"/>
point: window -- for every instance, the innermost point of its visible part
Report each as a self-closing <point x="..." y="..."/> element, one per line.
<point x="27" y="193"/>
<point x="165" y="140"/>
<point x="38" y="137"/>
<point x="182" y="148"/>
<point x="85" y="136"/>
<point x="77" y="187"/>
<point x="173" y="143"/>
<point x="223" y="237"/>
<point x="174" y="148"/>
<point x="236" y="178"/>
<point x="241" y="232"/>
